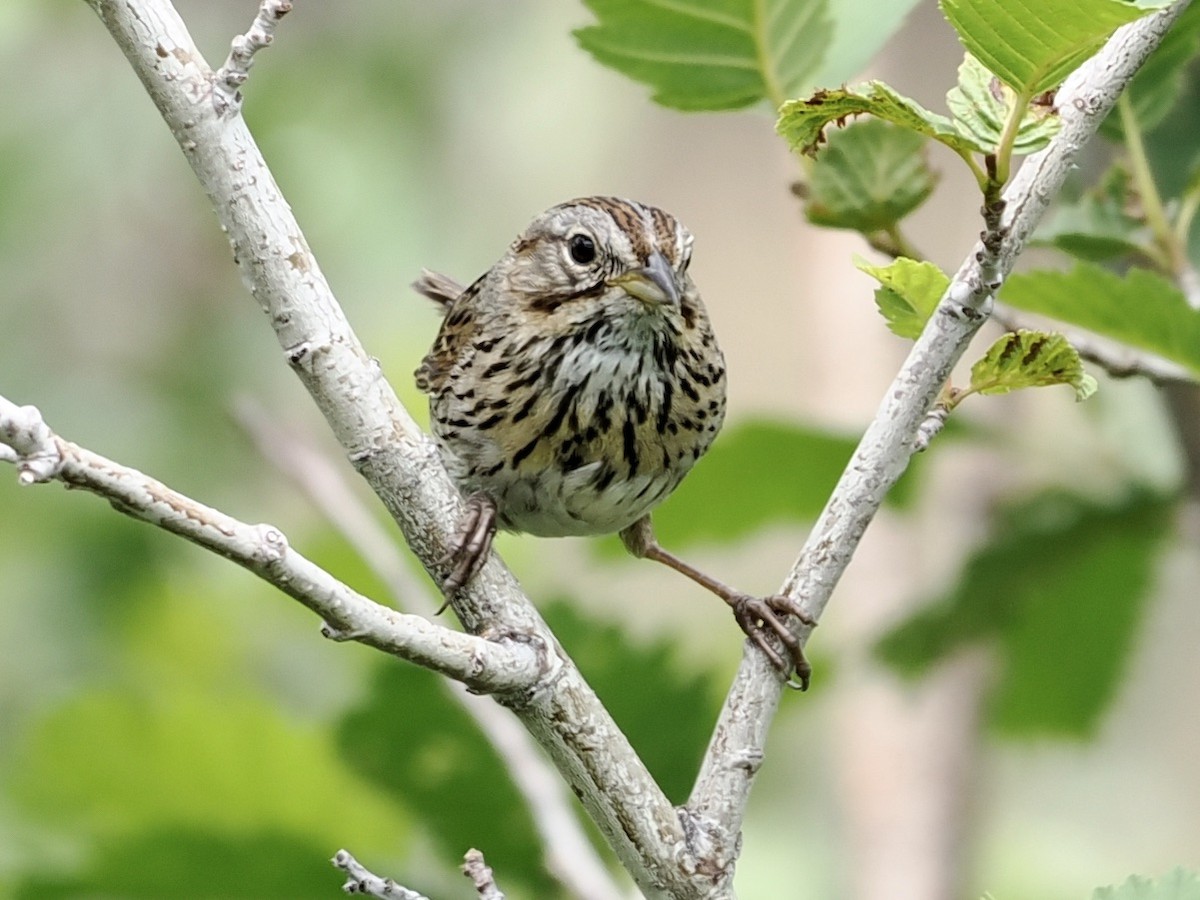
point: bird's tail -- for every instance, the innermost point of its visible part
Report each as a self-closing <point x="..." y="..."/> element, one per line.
<point x="441" y="289"/>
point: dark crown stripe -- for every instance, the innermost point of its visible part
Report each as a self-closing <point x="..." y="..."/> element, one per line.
<point x="629" y="218"/>
<point x="664" y="229"/>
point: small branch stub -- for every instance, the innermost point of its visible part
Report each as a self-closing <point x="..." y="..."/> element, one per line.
<point x="481" y="875"/>
<point x="931" y="427"/>
<point x="229" y="79"/>
<point x="27" y="441"/>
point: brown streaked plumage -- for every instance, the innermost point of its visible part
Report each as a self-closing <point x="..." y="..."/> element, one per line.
<point x="573" y="386"/>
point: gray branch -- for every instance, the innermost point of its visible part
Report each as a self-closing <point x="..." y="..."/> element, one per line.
<point x="719" y="796"/>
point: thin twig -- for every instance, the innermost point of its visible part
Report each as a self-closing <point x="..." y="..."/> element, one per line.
<point x="485" y="665"/>
<point x="718" y="799"/>
<point x="229" y="79"/>
<point x="361" y="880"/>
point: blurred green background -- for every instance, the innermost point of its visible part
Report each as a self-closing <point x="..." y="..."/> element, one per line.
<point x="170" y="725"/>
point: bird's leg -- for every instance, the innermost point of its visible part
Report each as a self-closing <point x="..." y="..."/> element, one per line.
<point x="472" y="541"/>
<point x="754" y="614"/>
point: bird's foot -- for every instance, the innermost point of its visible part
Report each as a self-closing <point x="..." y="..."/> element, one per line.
<point x="759" y="615"/>
<point x="469" y="548"/>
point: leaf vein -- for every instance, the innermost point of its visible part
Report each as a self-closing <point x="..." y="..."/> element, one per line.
<point x="782" y="45"/>
<point x="703" y="15"/>
<point x="684" y="59"/>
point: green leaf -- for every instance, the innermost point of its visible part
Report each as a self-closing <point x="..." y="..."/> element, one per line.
<point x="619" y="667"/>
<point x="1060" y="572"/>
<point x="909" y="292"/>
<point x="1159" y="82"/>
<point x="1098" y="225"/>
<point x="1024" y="359"/>
<point x="778" y="472"/>
<point x="423" y="751"/>
<point x="1032" y="47"/>
<point x="182" y="863"/>
<point x="1172" y="148"/>
<point x="1178" y="885"/>
<point x="409" y="738"/>
<point x="107" y="763"/>
<point x="871" y="175"/>
<point x="1141" y="309"/>
<point x="981" y="103"/>
<point x="802" y="123"/>
<point x="711" y="54"/>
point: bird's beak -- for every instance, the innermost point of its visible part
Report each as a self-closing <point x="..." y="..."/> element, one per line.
<point x="653" y="283"/>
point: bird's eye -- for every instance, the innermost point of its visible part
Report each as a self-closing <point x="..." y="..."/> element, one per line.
<point x="582" y="249"/>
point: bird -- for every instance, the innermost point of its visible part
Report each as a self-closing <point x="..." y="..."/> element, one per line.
<point x="574" y="384"/>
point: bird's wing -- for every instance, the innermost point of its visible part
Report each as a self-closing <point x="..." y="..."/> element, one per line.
<point x="458" y="327"/>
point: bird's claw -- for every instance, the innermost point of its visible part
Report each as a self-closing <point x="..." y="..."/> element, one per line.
<point x="758" y="615"/>
<point x="468" y="550"/>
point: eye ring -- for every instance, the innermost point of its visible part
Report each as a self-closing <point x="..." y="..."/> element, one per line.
<point x="581" y="248"/>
